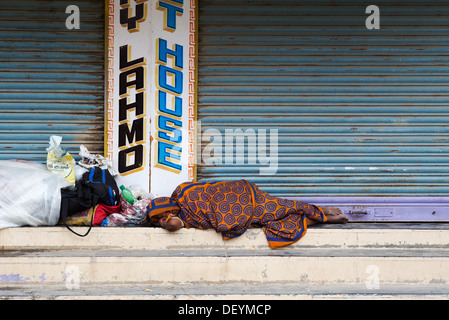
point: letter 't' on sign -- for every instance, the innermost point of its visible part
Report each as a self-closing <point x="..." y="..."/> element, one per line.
<point x="72" y="21"/>
<point x="373" y="21"/>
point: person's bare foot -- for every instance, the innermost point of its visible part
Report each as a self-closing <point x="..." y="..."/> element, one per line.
<point x="334" y="215"/>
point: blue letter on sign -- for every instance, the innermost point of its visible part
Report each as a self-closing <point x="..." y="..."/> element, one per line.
<point x="171" y="12"/>
<point x="162" y="97"/>
<point x="163" y="125"/>
<point x="165" y="154"/>
<point x="163" y="75"/>
<point x="164" y="52"/>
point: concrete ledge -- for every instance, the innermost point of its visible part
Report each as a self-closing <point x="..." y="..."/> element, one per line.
<point x="233" y="291"/>
<point x="158" y="239"/>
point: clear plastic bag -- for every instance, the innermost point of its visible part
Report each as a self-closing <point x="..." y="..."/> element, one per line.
<point x="129" y="215"/>
<point x="90" y="161"/>
<point x="60" y="161"/>
<point x="140" y="193"/>
<point x="30" y="195"/>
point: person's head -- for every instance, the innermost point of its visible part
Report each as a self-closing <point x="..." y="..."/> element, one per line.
<point x="171" y="223"/>
<point x="164" y="212"/>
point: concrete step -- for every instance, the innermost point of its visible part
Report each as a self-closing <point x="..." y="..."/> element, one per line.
<point x="349" y="236"/>
<point x="353" y="261"/>
<point x="232" y="291"/>
<point x="206" y="266"/>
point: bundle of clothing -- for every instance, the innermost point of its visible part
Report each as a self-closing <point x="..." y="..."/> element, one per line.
<point x="232" y="207"/>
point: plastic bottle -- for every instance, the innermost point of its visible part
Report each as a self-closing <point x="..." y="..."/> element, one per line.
<point x="128" y="195"/>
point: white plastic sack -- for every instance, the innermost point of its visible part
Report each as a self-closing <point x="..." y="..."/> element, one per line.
<point x="30" y="195"/>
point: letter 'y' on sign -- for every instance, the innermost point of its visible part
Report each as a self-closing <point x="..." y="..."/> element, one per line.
<point x="128" y="19"/>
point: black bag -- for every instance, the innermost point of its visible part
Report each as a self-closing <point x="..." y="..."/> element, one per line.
<point x="96" y="186"/>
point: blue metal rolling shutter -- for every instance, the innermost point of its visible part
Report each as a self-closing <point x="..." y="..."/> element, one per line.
<point x="51" y="78"/>
<point x="358" y="112"/>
